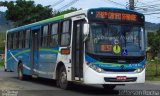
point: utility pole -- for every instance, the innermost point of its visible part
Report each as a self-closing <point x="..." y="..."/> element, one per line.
<point x="131" y="4"/>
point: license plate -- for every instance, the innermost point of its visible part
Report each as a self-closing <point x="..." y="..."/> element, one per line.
<point x="121" y="78"/>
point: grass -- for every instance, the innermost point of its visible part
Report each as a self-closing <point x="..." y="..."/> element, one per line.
<point x="1" y="63"/>
<point x="153" y="78"/>
<point x="151" y="70"/>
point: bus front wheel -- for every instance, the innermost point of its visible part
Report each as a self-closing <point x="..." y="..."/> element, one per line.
<point x="109" y="86"/>
<point x="62" y="78"/>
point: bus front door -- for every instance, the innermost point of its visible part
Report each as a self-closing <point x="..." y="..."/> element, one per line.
<point x="77" y="50"/>
<point x="34" y="52"/>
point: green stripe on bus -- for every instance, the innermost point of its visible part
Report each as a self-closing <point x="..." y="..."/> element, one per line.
<point x="50" y="19"/>
<point x="111" y="64"/>
<point x="50" y="50"/>
<point x="41" y="49"/>
<point x="19" y="53"/>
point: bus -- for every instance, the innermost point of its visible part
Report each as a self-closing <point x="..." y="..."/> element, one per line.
<point x="93" y="46"/>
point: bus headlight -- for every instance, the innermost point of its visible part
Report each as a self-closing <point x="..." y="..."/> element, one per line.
<point x="139" y="70"/>
<point x="94" y="67"/>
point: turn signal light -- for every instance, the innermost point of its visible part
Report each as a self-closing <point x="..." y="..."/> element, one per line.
<point x="65" y="51"/>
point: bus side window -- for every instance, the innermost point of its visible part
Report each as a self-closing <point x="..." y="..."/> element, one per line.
<point x="23" y="39"/>
<point x="17" y="39"/>
<point x="8" y="41"/>
<point x="20" y="39"/>
<point x="65" y="35"/>
<point x="44" y="36"/>
<point x="11" y="41"/>
<point x="27" y="39"/>
<point x="54" y="35"/>
<point x="14" y="40"/>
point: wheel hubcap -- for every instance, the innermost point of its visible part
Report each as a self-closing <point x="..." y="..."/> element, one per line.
<point x="63" y="78"/>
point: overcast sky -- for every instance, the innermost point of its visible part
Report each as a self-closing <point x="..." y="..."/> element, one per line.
<point x="106" y="3"/>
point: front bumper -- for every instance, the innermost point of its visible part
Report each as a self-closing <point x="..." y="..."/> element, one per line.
<point x="93" y="77"/>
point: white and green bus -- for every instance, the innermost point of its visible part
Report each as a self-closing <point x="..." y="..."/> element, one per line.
<point x="94" y="46"/>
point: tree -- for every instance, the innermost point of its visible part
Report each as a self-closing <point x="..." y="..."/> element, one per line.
<point x="154" y="42"/>
<point x="24" y="12"/>
<point x="150" y="36"/>
<point x="158" y="32"/>
<point x="2" y="45"/>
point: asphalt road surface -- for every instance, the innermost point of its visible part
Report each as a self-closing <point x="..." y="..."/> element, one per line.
<point x="10" y="85"/>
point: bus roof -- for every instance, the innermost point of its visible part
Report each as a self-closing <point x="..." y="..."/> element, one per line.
<point x="66" y="16"/>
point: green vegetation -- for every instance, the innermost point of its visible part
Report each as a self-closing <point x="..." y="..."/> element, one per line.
<point x="154" y="43"/>
<point x="23" y="12"/>
<point x="153" y="66"/>
<point x="2" y="42"/>
<point x="153" y="78"/>
<point x="1" y="63"/>
<point x="151" y="72"/>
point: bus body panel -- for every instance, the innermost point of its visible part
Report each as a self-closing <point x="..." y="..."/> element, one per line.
<point x="11" y="62"/>
<point x="14" y="56"/>
<point x="47" y="61"/>
<point x="65" y="60"/>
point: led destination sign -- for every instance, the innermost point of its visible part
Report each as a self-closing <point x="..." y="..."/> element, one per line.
<point x="116" y="16"/>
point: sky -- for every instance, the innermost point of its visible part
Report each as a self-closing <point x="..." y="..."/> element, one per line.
<point x="144" y="6"/>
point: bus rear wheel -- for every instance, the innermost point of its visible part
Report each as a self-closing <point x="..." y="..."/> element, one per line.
<point x="109" y="86"/>
<point x="20" y="71"/>
<point x="62" y="78"/>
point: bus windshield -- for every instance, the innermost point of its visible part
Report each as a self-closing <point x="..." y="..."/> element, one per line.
<point x="112" y="39"/>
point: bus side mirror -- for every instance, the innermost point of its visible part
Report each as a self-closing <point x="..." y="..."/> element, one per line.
<point x="86" y="29"/>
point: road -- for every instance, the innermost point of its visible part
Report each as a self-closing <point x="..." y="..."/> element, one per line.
<point x="10" y="84"/>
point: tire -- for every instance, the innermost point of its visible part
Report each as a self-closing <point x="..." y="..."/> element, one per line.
<point x="20" y="72"/>
<point x="62" y="78"/>
<point x="109" y="86"/>
<point x="5" y="70"/>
